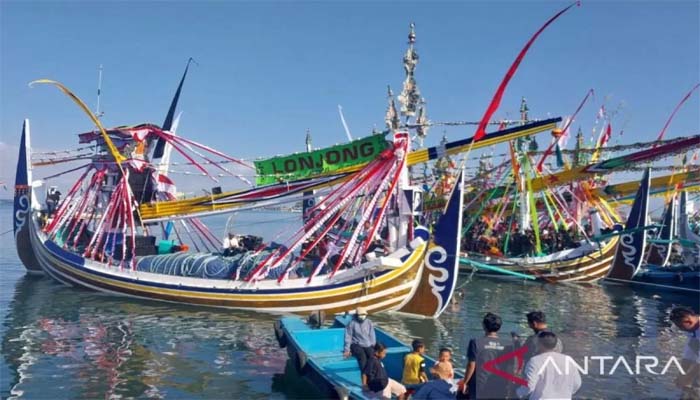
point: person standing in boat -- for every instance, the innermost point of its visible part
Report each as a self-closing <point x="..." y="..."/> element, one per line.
<point x="360" y="338"/>
<point x="414" y="365"/>
<point x="688" y="321"/>
<point x="52" y="200"/>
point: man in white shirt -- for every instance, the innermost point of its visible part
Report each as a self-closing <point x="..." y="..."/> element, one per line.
<point x="549" y="374"/>
<point x="688" y="321"/>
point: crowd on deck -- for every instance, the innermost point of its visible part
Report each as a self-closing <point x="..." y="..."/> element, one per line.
<point x="500" y="242"/>
<point x="533" y="368"/>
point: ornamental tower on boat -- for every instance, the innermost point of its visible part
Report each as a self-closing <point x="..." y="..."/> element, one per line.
<point x="412" y="104"/>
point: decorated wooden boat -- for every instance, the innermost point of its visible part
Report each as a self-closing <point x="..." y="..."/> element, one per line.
<point x="621" y="251"/>
<point x="587" y="263"/>
<point x="317" y="355"/>
<point x="418" y="277"/>
<point x="630" y="254"/>
<point x="629" y="266"/>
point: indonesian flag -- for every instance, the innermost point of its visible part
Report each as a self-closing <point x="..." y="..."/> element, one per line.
<point x="166" y="185"/>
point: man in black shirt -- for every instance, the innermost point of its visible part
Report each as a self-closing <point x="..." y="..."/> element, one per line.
<point x="537" y="322"/>
<point x="375" y="378"/>
<point x="480" y="383"/>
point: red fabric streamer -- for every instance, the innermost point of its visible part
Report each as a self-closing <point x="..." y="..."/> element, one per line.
<point x="548" y="152"/>
<point x="604" y="139"/>
<point x="663" y="131"/>
<point x="496" y="101"/>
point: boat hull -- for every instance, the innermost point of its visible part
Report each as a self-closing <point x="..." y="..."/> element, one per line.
<point x="588" y="268"/>
<point x="389" y="283"/>
<point x="377" y="291"/>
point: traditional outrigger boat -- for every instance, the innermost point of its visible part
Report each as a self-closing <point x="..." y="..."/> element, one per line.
<point x="88" y="243"/>
<point x="581" y="260"/>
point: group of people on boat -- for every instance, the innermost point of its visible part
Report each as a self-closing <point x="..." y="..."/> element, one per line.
<point x="360" y="342"/>
<point x="480" y="238"/>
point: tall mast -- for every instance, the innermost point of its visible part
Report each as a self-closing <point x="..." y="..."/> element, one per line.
<point x="523" y="111"/>
<point x="98" y="113"/>
<point x="308" y="140"/>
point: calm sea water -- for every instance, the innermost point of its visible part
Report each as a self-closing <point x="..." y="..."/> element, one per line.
<point x="64" y="343"/>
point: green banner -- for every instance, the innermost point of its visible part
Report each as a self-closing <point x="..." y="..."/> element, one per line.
<point x="328" y="160"/>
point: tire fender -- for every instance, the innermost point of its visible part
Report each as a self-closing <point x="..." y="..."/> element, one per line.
<point x="280" y="335"/>
<point x="300" y="359"/>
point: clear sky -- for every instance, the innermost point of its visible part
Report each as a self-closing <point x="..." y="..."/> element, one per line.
<point x="267" y="71"/>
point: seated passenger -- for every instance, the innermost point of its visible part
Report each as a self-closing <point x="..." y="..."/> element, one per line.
<point x="441" y="387"/>
<point x="375" y="378"/>
<point x="414" y="365"/>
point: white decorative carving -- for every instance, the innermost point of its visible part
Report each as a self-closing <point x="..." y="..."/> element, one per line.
<point x="628" y="250"/>
<point x="438" y="279"/>
<point x="21" y="213"/>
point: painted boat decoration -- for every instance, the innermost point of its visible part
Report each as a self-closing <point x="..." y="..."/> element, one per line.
<point x="317" y="355"/>
<point x="24" y="198"/>
<point x="628" y="266"/>
<point x="390" y="282"/>
<point x="311" y="179"/>
<point x="630" y="252"/>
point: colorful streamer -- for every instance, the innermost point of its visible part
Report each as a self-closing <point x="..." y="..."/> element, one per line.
<point x="496" y="101"/>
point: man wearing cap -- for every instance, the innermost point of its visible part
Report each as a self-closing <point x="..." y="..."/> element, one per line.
<point x="359" y="338"/>
<point x="441" y="387"/>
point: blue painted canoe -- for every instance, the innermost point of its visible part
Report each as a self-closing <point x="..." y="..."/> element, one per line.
<point x="317" y="355"/>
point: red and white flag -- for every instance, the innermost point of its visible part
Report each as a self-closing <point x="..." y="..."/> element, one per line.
<point x="166" y="185"/>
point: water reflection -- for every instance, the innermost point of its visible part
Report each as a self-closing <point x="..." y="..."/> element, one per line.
<point x="62" y="342"/>
<point x="89" y="345"/>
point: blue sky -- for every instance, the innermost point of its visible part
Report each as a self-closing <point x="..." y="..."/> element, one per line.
<point x="270" y="70"/>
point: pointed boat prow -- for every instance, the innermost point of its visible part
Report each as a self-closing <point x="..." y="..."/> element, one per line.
<point x="24" y="202"/>
<point x="441" y="263"/>
<point x="630" y="250"/>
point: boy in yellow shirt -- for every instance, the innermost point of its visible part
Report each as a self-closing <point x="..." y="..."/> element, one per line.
<point x="414" y="365"/>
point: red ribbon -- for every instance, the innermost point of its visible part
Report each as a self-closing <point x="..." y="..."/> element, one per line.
<point x="663" y="131"/>
<point x="496" y="101"/>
